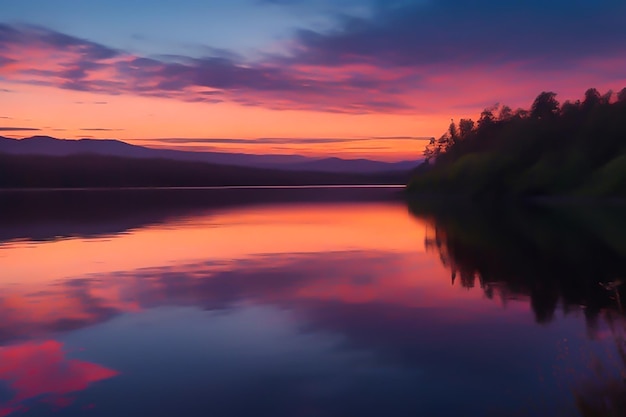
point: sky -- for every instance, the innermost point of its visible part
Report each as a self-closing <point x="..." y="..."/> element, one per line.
<point x="358" y="78"/>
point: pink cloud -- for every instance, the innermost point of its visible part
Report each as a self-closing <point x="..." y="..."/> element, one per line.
<point x="41" y="371"/>
<point x="351" y="83"/>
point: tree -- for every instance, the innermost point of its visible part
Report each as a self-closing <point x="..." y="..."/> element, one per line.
<point x="576" y="147"/>
<point x="545" y="106"/>
<point x="521" y="113"/>
<point x="466" y="126"/>
<point x="452" y="131"/>
<point x="486" y="118"/>
<point x="592" y="98"/>
<point x="505" y="113"/>
<point x="436" y="147"/>
<point x="569" y="108"/>
<point x="430" y="152"/>
<point x="606" y="97"/>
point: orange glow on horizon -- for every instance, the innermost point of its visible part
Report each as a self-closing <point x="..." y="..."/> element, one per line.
<point x="72" y="114"/>
<point x="58" y="113"/>
<point x="276" y="229"/>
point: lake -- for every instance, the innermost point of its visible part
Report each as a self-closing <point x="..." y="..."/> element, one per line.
<point x="307" y="302"/>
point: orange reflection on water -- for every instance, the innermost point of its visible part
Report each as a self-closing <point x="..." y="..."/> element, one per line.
<point x="233" y="234"/>
<point x="41" y="371"/>
<point x="351" y="253"/>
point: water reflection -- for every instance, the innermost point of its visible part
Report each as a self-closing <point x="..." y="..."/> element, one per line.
<point x="306" y="304"/>
<point x="42" y="371"/>
<point x="49" y="215"/>
<point x="603" y="392"/>
<point x="574" y="258"/>
<point x="569" y="259"/>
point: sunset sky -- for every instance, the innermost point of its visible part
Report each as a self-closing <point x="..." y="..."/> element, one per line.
<point x="365" y="78"/>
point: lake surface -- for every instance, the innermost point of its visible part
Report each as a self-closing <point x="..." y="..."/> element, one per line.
<point x="338" y="302"/>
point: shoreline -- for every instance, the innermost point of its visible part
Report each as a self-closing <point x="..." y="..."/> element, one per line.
<point x="199" y="188"/>
<point x="555" y="200"/>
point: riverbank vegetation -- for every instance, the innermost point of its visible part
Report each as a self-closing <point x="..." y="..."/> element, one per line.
<point x="575" y="148"/>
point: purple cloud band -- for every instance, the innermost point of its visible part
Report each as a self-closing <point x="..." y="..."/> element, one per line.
<point x="17" y="129"/>
<point x="408" y="57"/>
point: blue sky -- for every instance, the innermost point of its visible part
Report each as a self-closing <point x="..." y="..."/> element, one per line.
<point x="247" y="27"/>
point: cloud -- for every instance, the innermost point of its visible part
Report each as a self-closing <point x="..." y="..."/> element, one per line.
<point x="5" y="61"/>
<point x="401" y="137"/>
<point x="403" y="57"/>
<point x="418" y="34"/>
<point x="189" y="148"/>
<point x="203" y="144"/>
<point x="100" y="129"/>
<point x="44" y="57"/>
<point x="258" y="141"/>
<point x="91" y="102"/>
<point x="29" y="35"/>
<point x="17" y="129"/>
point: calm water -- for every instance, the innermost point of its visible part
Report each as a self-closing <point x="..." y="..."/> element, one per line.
<point x="306" y="303"/>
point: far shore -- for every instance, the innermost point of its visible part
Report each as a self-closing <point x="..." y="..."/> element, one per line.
<point x="223" y="187"/>
<point x="441" y="200"/>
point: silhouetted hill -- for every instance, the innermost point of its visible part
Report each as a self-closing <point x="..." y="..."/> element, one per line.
<point x="577" y="149"/>
<point x="89" y="170"/>
<point x="45" y="145"/>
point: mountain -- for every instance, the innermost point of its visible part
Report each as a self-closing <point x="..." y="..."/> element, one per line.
<point x="48" y="146"/>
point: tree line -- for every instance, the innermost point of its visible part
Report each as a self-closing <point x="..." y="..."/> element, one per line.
<point x="552" y="148"/>
<point x="91" y="170"/>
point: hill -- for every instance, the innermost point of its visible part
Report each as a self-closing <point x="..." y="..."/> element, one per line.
<point x="75" y="171"/>
<point x="49" y="146"/>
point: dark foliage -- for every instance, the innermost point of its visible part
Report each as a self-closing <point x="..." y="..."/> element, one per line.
<point x="552" y="149"/>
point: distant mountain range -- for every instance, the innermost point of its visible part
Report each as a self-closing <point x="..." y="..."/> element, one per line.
<point x="48" y="146"/>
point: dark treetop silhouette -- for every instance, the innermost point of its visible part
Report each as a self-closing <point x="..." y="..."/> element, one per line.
<point x="578" y="148"/>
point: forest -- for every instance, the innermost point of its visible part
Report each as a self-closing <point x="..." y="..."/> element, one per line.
<point x="552" y="149"/>
<point x="91" y="170"/>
